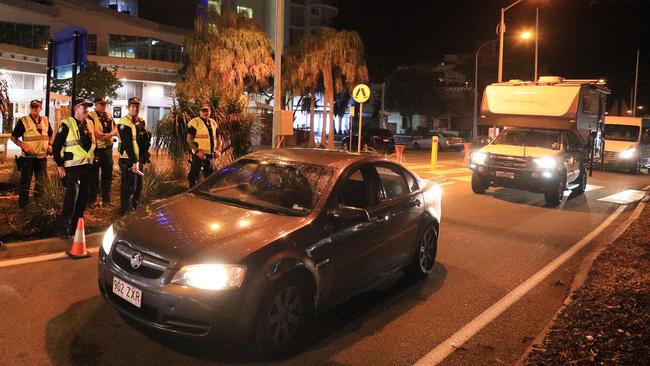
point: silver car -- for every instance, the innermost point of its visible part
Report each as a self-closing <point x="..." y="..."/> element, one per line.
<point x="446" y="141"/>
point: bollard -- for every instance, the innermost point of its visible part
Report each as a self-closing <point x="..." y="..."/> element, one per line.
<point x="399" y="152"/>
<point x="434" y="152"/>
<point x="468" y="148"/>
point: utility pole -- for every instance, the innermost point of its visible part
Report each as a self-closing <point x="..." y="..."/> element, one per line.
<point x="536" y="41"/>
<point x="636" y="84"/>
<point x="502" y="32"/>
<point x="277" y="75"/>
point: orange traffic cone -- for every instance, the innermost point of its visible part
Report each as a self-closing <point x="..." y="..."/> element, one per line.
<point x="78" y="249"/>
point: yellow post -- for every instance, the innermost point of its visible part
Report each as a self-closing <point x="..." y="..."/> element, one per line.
<point x="434" y="152"/>
<point x="360" y="119"/>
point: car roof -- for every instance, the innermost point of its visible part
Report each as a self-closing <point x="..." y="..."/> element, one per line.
<point x="328" y="158"/>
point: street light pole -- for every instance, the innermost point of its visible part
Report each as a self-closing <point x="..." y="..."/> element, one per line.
<point x="536" y="41"/>
<point x="277" y="75"/>
<point x="636" y="84"/>
<point x="502" y="31"/>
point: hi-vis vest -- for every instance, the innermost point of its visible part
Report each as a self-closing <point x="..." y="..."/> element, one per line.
<point x="202" y="137"/>
<point x="37" y="140"/>
<point x="102" y="143"/>
<point x="73" y="145"/>
<point x="126" y="121"/>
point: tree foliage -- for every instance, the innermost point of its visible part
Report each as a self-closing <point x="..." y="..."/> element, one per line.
<point x="410" y="90"/>
<point x="227" y="54"/>
<point x="93" y="81"/>
<point x="335" y="59"/>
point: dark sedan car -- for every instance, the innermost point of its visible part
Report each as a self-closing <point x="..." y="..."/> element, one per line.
<point x="378" y="139"/>
<point x="254" y="251"/>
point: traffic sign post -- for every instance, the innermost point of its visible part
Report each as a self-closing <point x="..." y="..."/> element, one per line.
<point x="361" y="94"/>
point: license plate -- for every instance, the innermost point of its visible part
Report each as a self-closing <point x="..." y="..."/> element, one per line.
<point x="127" y="292"/>
<point x="385" y="140"/>
<point x="509" y="175"/>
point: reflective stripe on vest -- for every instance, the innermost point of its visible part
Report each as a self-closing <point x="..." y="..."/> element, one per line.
<point x="127" y="122"/>
<point x="38" y="141"/>
<point x="101" y="142"/>
<point x="202" y="137"/>
<point x="72" y="145"/>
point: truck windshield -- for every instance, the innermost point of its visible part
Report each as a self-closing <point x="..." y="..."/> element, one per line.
<point x="621" y="132"/>
<point x="529" y="138"/>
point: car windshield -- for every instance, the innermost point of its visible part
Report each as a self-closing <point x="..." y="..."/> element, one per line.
<point x="278" y="187"/>
<point x="530" y="138"/>
<point x="622" y="133"/>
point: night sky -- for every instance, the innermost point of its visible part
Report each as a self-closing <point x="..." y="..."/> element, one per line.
<point x="578" y="38"/>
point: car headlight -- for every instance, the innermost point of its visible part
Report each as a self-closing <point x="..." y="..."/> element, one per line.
<point x="545" y="163"/>
<point x="627" y="154"/>
<point x="211" y="276"/>
<point x="109" y="238"/>
<point x="479" y="158"/>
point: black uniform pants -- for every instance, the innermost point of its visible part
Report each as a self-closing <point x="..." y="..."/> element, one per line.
<point x="30" y="167"/>
<point x="130" y="187"/>
<point x="77" y="181"/>
<point x="197" y="166"/>
<point x="103" y="163"/>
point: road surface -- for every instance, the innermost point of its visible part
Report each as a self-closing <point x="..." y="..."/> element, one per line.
<point x="51" y="312"/>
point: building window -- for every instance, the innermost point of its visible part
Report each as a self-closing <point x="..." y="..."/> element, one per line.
<point x="315" y="12"/>
<point x="91" y="48"/>
<point x="129" y="89"/>
<point x="143" y="48"/>
<point x="24" y="35"/>
<point x="246" y="11"/>
<point x="297" y="16"/>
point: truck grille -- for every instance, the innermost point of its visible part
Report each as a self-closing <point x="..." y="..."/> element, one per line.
<point x="508" y="162"/>
<point x="611" y="156"/>
<point x="150" y="267"/>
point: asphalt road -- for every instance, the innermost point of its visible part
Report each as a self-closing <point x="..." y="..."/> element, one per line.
<point x="51" y="312"/>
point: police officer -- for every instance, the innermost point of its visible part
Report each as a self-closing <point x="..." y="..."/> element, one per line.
<point x="204" y="142"/>
<point x="133" y="149"/>
<point x="105" y="129"/>
<point x="31" y="134"/>
<point x="75" y="137"/>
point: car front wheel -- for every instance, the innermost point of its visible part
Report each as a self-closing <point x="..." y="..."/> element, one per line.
<point x="283" y="316"/>
<point x="478" y="184"/>
<point x="425" y="255"/>
<point x="554" y="190"/>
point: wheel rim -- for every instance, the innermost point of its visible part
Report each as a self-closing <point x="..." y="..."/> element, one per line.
<point x="284" y="315"/>
<point x="427" y="250"/>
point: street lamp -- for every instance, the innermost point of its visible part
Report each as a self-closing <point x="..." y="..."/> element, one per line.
<point x="524" y="36"/>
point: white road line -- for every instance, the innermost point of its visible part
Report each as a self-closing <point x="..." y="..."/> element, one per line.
<point x="445" y="348"/>
<point x="40" y="258"/>
<point x="624" y="197"/>
<point x="445" y="184"/>
<point x="464" y="178"/>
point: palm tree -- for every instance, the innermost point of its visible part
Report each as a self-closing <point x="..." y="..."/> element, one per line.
<point x="336" y="60"/>
<point x="228" y="54"/>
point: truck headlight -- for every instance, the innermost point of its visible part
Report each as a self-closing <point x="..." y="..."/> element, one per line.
<point x="628" y="154"/>
<point x="545" y="163"/>
<point x="479" y="158"/>
<point x="211" y="276"/>
<point x="107" y="241"/>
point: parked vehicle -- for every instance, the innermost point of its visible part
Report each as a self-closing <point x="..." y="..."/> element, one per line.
<point x="627" y="143"/>
<point x="253" y="252"/>
<point x="378" y="139"/>
<point x="544" y="146"/>
<point x="446" y="141"/>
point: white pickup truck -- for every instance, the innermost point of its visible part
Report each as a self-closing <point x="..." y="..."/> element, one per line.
<point x="545" y="146"/>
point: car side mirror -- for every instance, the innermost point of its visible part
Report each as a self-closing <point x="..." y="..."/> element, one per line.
<point x="350" y="214"/>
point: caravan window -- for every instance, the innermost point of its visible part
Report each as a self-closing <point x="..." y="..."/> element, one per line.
<point x="530" y="138"/>
<point x="622" y="133"/>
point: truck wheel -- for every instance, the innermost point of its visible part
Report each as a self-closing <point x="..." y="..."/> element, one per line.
<point x="478" y="184"/>
<point x="582" y="182"/>
<point x="554" y="191"/>
<point x="636" y="169"/>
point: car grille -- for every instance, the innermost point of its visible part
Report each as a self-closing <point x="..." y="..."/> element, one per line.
<point x="611" y="156"/>
<point x="508" y="162"/>
<point x="151" y="267"/>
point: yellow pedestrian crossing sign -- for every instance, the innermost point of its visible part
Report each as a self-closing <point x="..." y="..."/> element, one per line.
<point x="361" y="93"/>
